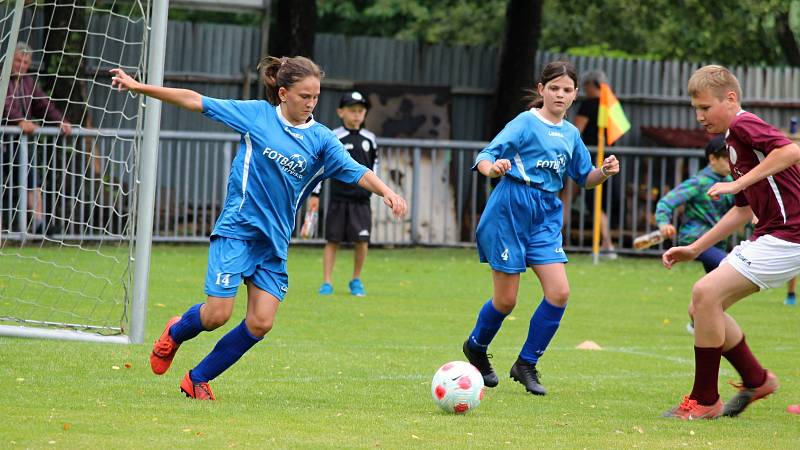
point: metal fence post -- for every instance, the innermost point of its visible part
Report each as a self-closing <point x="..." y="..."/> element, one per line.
<point x="415" y="195"/>
<point x="22" y="170"/>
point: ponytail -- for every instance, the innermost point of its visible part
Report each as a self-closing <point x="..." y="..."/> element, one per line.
<point x="284" y="72"/>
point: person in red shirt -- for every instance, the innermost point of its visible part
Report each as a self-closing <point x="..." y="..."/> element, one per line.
<point x="25" y="105"/>
<point x="766" y="183"/>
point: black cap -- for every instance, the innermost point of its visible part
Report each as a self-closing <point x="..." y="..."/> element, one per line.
<point x="353" y="98"/>
<point x="716" y="146"/>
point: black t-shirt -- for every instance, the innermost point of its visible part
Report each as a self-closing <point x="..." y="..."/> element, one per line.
<point x="589" y="108"/>
<point x="362" y="147"/>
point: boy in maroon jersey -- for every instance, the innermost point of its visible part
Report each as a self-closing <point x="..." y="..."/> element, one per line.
<point x="767" y="184"/>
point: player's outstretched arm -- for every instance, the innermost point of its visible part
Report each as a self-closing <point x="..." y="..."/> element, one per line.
<point x="776" y="160"/>
<point x="183" y="98"/>
<point x="372" y="183"/>
<point x="734" y="219"/>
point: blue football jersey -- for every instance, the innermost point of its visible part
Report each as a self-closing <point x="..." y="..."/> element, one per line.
<point x="540" y="152"/>
<point x="275" y="168"/>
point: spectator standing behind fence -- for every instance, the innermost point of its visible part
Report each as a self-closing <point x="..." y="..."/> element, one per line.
<point x="25" y="105"/>
<point x="586" y="122"/>
<point x="348" y="217"/>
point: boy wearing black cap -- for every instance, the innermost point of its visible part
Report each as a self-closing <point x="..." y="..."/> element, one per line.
<point x="349" y="218"/>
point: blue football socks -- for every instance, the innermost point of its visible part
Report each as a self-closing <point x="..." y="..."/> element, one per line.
<point x="227" y="351"/>
<point x="543" y="326"/>
<point x="489" y="322"/>
<point x="189" y="326"/>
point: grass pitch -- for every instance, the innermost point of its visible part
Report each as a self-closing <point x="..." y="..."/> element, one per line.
<point x="344" y="372"/>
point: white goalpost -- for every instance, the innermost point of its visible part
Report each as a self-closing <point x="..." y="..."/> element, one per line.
<point x="77" y="205"/>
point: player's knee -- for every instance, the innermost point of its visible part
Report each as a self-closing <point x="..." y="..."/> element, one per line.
<point x="259" y="327"/>
<point x="702" y="296"/>
<point x="215" y="318"/>
<point x="505" y="304"/>
<point x="557" y="297"/>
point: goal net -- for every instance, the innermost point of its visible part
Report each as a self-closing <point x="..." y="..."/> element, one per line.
<point x="70" y="167"/>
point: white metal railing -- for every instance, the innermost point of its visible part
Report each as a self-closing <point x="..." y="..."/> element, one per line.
<point x="445" y="197"/>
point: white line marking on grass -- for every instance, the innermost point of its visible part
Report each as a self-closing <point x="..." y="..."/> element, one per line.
<point x="676" y="359"/>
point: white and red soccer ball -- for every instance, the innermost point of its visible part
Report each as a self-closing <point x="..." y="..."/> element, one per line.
<point x="457" y="387"/>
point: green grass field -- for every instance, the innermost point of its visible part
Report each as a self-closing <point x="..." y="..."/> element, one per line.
<point x="343" y="372"/>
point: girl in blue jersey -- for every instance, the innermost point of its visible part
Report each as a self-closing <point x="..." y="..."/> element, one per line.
<point x="283" y="154"/>
<point x="521" y="225"/>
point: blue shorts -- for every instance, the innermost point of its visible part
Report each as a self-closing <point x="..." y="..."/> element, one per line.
<point x="520" y="227"/>
<point x="231" y="261"/>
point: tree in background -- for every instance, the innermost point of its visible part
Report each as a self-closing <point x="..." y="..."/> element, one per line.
<point x="294" y="29"/>
<point x="516" y="72"/>
<point x="724" y="31"/>
<point x="786" y="37"/>
<point x="455" y="22"/>
<point x="62" y="63"/>
<point x="710" y="30"/>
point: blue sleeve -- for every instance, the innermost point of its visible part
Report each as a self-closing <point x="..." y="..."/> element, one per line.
<point x="339" y="164"/>
<point x="581" y="162"/>
<point x="237" y="114"/>
<point x="503" y="146"/>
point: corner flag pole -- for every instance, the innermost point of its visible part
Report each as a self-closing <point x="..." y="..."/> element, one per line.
<point x="598" y="198"/>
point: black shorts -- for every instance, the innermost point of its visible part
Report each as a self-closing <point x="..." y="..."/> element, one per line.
<point x="348" y="222"/>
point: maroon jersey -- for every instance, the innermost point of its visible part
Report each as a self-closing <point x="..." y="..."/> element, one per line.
<point x="25" y="100"/>
<point x="775" y="200"/>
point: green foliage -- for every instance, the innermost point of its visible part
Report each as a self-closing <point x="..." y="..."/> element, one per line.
<point x="344" y="372"/>
<point x="695" y="30"/>
<point x="213" y="16"/>
<point x="447" y="21"/>
<point x="603" y="50"/>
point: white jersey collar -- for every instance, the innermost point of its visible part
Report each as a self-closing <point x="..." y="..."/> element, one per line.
<point x="538" y="115"/>
<point x="286" y="122"/>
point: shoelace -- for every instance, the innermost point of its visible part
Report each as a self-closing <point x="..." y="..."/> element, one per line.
<point x="163" y="348"/>
<point x="530" y="371"/>
<point x="484" y="363"/>
<point x="205" y="388"/>
<point x="688" y="404"/>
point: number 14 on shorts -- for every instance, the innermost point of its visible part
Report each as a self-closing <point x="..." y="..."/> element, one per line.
<point x="223" y="279"/>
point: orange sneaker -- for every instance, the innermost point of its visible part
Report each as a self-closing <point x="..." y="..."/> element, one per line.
<point x="745" y="396"/>
<point x="793" y="409"/>
<point x="197" y="391"/>
<point x="689" y="409"/>
<point x="164" y="350"/>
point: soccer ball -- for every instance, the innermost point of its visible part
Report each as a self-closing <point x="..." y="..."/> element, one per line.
<point x="457" y="387"/>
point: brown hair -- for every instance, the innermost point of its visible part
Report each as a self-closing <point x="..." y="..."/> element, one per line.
<point x="717" y="79"/>
<point x="284" y="72"/>
<point x="550" y="72"/>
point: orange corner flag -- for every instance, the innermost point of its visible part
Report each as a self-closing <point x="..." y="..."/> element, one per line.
<point x="610" y="115"/>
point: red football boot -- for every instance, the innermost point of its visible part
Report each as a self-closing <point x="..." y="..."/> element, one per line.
<point x="164" y="350"/>
<point x="689" y="409"/>
<point x="197" y="391"/>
